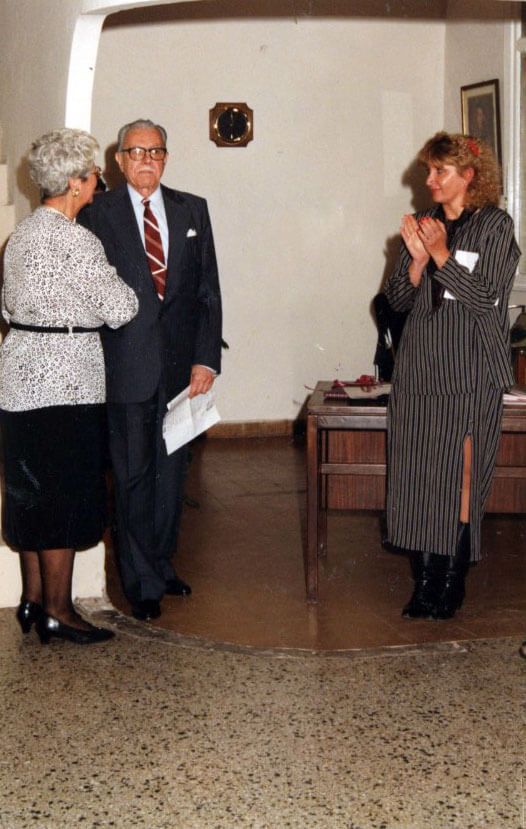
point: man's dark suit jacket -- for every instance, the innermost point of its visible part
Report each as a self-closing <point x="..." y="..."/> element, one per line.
<point x="166" y="337"/>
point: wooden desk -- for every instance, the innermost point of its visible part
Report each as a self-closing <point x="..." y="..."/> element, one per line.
<point x="346" y="452"/>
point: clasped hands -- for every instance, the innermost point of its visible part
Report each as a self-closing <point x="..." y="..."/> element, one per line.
<point x="426" y="239"/>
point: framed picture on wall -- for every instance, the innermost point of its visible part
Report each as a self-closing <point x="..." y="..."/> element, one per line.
<point x="481" y="113"/>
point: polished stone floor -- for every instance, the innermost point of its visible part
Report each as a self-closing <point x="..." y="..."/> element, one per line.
<point x="242" y="707"/>
<point x="242" y="550"/>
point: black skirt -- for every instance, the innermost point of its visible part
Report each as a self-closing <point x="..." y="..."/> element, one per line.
<point x="54" y="494"/>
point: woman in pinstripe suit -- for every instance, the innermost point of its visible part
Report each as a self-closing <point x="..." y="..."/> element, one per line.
<point x="454" y="276"/>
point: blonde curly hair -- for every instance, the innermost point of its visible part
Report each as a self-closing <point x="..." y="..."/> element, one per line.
<point x="464" y="151"/>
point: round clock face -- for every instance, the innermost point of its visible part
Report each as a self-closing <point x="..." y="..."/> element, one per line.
<point x="233" y="125"/>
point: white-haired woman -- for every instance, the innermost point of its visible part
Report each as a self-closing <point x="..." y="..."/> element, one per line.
<point x="58" y="291"/>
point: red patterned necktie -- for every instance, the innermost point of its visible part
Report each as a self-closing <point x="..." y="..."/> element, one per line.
<point x="154" y="249"/>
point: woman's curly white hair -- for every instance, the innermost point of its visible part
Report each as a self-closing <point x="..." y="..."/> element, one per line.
<point x="58" y="156"/>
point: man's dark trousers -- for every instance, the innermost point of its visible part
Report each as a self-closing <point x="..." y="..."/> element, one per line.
<point x="149" y="489"/>
<point x="148" y="362"/>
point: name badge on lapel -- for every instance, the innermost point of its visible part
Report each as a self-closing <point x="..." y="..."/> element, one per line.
<point x="468" y="259"/>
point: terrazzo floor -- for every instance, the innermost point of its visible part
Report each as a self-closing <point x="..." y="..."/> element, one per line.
<point x="342" y="717"/>
<point x="152" y="731"/>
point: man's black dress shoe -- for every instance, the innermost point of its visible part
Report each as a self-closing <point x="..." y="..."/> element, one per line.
<point x="147" y="609"/>
<point x="48" y="626"/>
<point x="177" y="587"/>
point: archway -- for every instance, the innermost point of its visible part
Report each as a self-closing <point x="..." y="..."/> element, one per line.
<point x="83" y="58"/>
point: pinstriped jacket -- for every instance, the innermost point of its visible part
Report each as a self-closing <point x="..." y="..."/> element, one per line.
<point x="436" y="351"/>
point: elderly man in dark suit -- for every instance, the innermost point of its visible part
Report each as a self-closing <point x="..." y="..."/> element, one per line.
<point x="160" y="241"/>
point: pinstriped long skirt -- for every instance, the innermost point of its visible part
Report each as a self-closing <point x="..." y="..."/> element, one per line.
<point x="426" y="436"/>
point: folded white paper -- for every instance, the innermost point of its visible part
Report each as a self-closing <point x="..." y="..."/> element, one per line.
<point x="517" y="394"/>
<point x="186" y="418"/>
<point x="367" y="392"/>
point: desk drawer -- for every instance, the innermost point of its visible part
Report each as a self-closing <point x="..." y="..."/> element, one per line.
<point x="356" y="446"/>
<point x="508" y="490"/>
<point x="363" y="484"/>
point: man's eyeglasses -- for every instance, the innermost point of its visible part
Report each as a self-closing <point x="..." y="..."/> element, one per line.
<point x="138" y="153"/>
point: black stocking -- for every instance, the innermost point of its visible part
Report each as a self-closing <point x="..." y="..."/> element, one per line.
<point x="31" y="580"/>
<point x="56" y="567"/>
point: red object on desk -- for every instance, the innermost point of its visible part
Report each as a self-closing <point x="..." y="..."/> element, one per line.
<point x="336" y="392"/>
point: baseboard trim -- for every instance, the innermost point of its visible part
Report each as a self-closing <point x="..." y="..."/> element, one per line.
<point x="253" y="429"/>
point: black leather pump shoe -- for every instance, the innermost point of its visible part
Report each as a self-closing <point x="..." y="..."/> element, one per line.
<point x="47" y="627"/>
<point x="27" y="614"/>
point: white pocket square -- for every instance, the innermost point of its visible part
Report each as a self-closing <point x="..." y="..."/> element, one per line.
<point x="191" y="232"/>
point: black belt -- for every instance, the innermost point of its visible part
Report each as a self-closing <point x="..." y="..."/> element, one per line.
<point x="52" y="329"/>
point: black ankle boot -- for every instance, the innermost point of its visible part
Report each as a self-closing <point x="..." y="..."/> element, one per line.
<point x="453" y="589"/>
<point x="426" y="573"/>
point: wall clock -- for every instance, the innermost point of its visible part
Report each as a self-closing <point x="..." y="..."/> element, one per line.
<point x="231" y="125"/>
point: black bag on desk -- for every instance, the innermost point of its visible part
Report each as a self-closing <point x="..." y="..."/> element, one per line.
<point x="390" y="325"/>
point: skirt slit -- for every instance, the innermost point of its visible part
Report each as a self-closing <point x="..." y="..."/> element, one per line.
<point x="426" y="435"/>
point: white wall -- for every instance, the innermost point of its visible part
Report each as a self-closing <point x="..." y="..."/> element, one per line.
<point x="302" y="215"/>
<point x="35" y="43"/>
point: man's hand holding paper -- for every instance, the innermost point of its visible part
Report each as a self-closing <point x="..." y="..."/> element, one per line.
<point x="188" y="417"/>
